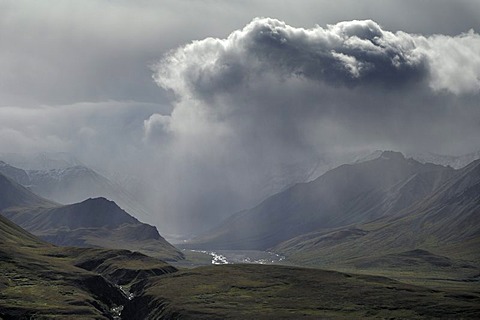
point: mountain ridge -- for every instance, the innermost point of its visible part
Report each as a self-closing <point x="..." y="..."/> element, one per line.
<point x="446" y="222"/>
<point x="71" y="183"/>
<point x="348" y="194"/>
<point x="92" y="223"/>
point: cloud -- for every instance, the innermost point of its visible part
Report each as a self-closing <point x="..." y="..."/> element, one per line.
<point x="347" y="53"/>
<point x="273" y="80"/>
<point x="454" y="61"/>
<point x="236" y="117"/>
<point x="92" y="131"/>
<point x="271" y="96"/>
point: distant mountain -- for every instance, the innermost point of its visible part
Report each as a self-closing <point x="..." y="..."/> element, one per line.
<point x="14" y="195"/>
<point x="41" y="160"/>
<point x="92" y="223"/>
<point x="447" y="221"/>
<point x="349" y="194"/>
<point x="456" y="162"/>
<point x="71" y="184"/>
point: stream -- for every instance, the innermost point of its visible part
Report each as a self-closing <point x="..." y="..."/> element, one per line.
<point x="243" y="256"/>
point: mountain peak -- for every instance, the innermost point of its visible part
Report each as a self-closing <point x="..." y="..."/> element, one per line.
<point x="392" y="155"/>
<point x="98" y="200"/>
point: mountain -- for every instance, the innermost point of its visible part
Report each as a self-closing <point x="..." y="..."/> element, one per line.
<point x="456" y="162"/>
<point x="444" y="224"/>
<point x="14" y="195"/>
<point x="41" y="281"/>
<point x="70" y="182"/>
<point x="92" y="223"/>
<point x="41" y="160"/>
<point x="349" y="194"/>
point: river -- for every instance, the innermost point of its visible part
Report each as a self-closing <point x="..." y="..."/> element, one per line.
<point x="242" y="256"/>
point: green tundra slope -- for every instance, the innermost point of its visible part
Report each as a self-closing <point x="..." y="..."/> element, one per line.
<point x="39" y="280"/>
<point x="276" y="292"/>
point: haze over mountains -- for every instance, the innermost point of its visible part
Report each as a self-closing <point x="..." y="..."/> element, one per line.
<point x="433" y="200"/>
<point x="388" y="215"/>
<point x="92" y="223"/>
<point x="60" y="177"/>
<point x="377" y="217"/>
<point x="446" y="222"/>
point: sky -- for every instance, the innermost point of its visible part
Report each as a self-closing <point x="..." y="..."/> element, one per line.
<point x="208" y="106"/>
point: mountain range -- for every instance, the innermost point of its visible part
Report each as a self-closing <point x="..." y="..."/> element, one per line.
<point x="42" y="281"/>
<point x="348" y="194"/>
<point x="69" y="182"/>
<point x="96" y="222"/>
<point x="356" y="213"/>
<point x="388" y="216"/>
<point x="446" y="222"/>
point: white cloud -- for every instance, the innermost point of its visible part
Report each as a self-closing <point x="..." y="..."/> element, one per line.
<point x="454" y="61"/>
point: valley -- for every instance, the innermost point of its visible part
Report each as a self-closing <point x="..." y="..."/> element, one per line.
<point x="402" y="245"/>
<point x="205" y="159"/>
<point x="232" y="257"/>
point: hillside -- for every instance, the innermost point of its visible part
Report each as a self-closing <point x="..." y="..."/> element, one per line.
<point x="446" y="223"/>
<point x="349" y="194"/>
<point x="41" y="281"/>
<point x="278" y="292"/>
<point x="91" y="223"/>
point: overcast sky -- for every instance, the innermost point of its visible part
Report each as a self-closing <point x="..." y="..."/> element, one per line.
<point x="206" y="102"/>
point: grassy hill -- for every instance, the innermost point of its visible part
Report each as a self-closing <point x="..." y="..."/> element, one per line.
<point x="39" y="280"/>
<point x="276" y="292"/>
<point x="42" y="281"/>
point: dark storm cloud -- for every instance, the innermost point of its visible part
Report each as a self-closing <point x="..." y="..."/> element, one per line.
<point x="270" y="71"/>
<point x="347" y="53"/>
<point x="271" y="96"/>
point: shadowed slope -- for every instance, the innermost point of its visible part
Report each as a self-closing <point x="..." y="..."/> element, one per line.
<point x="447" y="223"/>
<point x="346" y="195"/>
<point x="14" y="195"/>
<point x="91" y="223"/>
